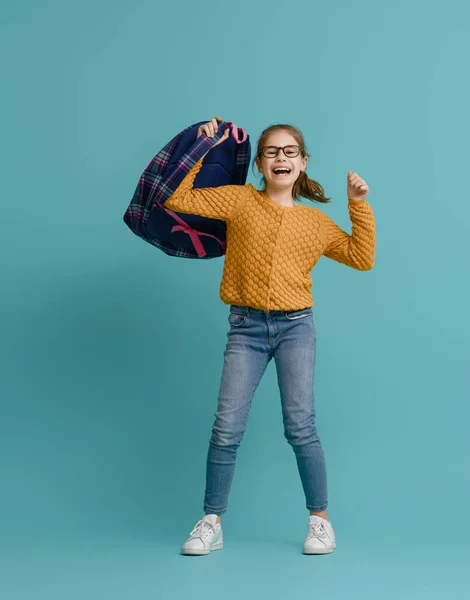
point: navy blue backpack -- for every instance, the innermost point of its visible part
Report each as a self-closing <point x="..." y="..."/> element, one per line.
<point x="181" y="234"/>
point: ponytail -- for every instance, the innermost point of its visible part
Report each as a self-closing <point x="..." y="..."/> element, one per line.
<point x="305" y="187"/>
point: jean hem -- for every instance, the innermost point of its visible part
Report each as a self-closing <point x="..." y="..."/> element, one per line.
<point x="214" y="511"/>
<point x="317" y="508"/>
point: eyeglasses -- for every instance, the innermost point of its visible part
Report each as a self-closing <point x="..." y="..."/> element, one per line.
<point x="273" y="151"/>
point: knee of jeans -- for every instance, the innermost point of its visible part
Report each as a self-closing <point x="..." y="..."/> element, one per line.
<point x="299" y="435"/>
<point x="224" y="438"/>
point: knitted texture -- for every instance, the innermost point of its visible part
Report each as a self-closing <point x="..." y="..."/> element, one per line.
<point x="271" y="249"/>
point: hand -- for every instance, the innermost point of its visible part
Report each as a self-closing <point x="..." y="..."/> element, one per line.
<point x="357" y="187"/>
<point x="211" y="128"/>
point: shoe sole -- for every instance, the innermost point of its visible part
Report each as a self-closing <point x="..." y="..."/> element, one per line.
<point x="325" y="551"/>
<point x="196" y="552"/>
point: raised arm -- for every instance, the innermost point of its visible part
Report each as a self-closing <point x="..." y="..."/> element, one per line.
<point x="215" y="203"/>
<point x="358" y="249"/>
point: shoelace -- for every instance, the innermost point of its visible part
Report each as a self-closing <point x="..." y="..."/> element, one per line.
<point x="199" y="531"/>
<point x="317" y="529"/>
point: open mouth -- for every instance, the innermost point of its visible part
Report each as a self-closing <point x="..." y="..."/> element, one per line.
<point x="282" y="172"/>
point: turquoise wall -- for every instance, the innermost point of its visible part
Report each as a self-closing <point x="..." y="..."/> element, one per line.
<point x="112" y="351"/>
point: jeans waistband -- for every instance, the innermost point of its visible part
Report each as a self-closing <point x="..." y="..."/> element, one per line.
<point x="259" y="311"/>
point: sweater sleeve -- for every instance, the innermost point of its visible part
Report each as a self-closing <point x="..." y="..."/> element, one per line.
<point x="212" y="202"/>
<point x="358" y="249"/>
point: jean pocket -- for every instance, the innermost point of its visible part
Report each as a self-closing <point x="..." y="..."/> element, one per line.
<point x="298" y="314"/>
<point x="236" y="319"/>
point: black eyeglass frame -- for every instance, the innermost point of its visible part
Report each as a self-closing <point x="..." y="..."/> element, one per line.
<point x="279" y="148"/>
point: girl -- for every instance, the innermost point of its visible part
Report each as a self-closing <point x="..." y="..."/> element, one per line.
<point x="273" y="243"/>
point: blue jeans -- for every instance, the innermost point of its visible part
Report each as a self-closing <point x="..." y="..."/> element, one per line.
<point x="256" y="336"/>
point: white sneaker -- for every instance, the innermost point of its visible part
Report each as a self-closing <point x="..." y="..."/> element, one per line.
<point x="206" y="536"/>
<point x="321" y="537"/>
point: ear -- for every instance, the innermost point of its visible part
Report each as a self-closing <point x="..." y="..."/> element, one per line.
<point x="303" y="165"/>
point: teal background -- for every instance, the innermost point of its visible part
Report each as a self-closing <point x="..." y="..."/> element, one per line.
<point x="111" y="351"/>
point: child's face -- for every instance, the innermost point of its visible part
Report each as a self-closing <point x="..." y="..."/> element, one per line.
<point x="295" y="164"/>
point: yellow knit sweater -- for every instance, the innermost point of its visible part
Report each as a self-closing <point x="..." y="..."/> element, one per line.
<point x="271" y="248"/>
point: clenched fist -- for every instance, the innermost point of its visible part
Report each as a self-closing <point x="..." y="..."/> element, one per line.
<point x="357" y="187"/>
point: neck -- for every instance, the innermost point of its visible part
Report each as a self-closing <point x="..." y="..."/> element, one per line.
<point x="280" y="195"/>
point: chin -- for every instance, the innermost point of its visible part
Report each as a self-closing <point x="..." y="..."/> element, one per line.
<point x="282" y="184"/>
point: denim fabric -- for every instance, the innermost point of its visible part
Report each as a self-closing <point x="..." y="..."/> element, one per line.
<point x="254" y="338"/>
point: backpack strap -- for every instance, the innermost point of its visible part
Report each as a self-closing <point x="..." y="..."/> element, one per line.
<point x="199" y="150"/>
<point x="235" y="131"/>
<point x="193" y="233"/>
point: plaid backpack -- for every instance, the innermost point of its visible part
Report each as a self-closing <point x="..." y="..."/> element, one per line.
<point x="181" y="234"/>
